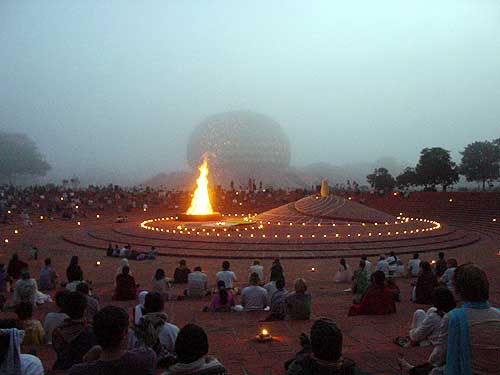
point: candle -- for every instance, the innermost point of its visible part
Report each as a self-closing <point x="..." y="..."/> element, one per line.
<point x="313" y="269"/>
<point x="264" y="335"/>
<point x="98" y="263"/>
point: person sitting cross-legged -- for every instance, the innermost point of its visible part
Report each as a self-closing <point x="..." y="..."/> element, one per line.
<point x="378" y="299"/>
<point x="154" y="330"/>
<point x="191" y="347"/>
<point x="298" y="303"/>
<point x="222" y="300"/>
<point x="92" y="303"/>
<point x="126" y="288"/>
<point x="278" y="302"/>
<point x="197" y="283"/>
<point x="321" y="353"/>
<point x="110" y="356"/>
<point x="254" y="297"/>
<point x="426" y="283"/>
<point x="74" y="337"/>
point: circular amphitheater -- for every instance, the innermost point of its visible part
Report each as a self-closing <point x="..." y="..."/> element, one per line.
<point x="313" y="227"/>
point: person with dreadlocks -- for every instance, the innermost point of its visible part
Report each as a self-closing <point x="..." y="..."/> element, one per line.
<point x="191" y="347"/>
<point x="321" y="352"/>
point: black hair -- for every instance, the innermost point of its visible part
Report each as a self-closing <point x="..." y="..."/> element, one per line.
<point x="426" y="267"/>
<point x="221" y="287"/>
<point x="61" y="297"/>
<point x="153" y="302"/>
<point x="47" y="261"/>
<point x="74" y="261"/>
<point x="443" y="299"/>
<point x="226" y="265"/>
<point x="197" y="268"/>
<point x="24" y="310"/>
<point x="75" y="305"/>
<point x="280" y="283"/>
<point x="415" y="256"/>
<point x="471" y="283"/>
<point x="254" y="278"/>
<point x="441" y="255"/>
<point x="159" y="274"/>
<point x="191" y="343"/>
<point x="110" y="325"/>
<point x="83" y="288"/>
<point x="378" y="278"/>
<point x="326" y="340"/>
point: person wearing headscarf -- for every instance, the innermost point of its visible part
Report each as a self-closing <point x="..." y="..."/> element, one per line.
<point x="321" y="352"/>
<point x="126" y="288"/>
<point x="426" y="283"/>
<point x="123" y="263"/>
<point x="12" y="362"/>
<point x="139" y="310"/>
<point x="378" y="299"/>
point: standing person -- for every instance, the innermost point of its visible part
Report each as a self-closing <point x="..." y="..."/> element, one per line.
<point x="344" y="274"/>
<point x="181" y="273"/>
<point x="55" y="319"/>
<point x="161" y="284"/>
<point x="414" y="266"/>
<point x="197" y="283"/>
<point x="440" y="265"/>
<point x="226" y="275"/>
<point x="426" y="282"/>
<point x="48" y="277"/>
<point x="15" y="267"/>
<point x="258" y="269"/>
<point x="254" y="297"/>
<point x="74" y="337"/>
<point x="74" y="272"/>
<point x="392" y="260"/>
<point x="360" y="282"/>
<point x="298" y="303"/>
<point x="126" y="288"/>
<point x="110" y="357"/>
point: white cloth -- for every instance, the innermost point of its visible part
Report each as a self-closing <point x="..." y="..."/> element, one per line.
<point x="227" y="276"/>
<point x="31" y="365"/>
<point x="197" y="282"/>
<point x="447" y="278"/>
<point x="343" y="275"/>
<point x="414" y="267"/>
<point x="425" y="326"/>
<point x="254" y="297"/>
<point x="16" y="363"/>
<point x="123" y="263"/>
<point x="368" y="267"/>
<point x="167" y="335"/>
<point x="52" y="321"/>
<point x="383" y="266"/>
<point x="258" y="269"/>
<point x="201" y="365"/>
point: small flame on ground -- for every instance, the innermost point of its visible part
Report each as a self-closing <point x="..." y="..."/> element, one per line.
<point x="200" y="204"/>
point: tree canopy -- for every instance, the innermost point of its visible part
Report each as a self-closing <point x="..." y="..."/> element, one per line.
<point x="19" y="155"/>
<point x="407" y="178"/>
<point x="435" y="167"/>
<point x="481" y="161"/>
<point x="381" y="179"/>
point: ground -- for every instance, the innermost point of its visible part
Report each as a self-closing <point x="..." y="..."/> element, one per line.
<point x="367" y="339"/>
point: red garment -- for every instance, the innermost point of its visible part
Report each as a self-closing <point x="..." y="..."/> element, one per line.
<point x="376" y="301"/>
<point x="125" y="288"/>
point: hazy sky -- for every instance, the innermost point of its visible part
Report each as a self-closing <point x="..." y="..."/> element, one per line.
<point x="117" y="86"/>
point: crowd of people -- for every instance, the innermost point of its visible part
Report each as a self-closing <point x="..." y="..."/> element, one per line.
<point x="88" y="339"/>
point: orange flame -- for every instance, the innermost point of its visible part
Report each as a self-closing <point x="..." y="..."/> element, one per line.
<point x="200" y="204"/>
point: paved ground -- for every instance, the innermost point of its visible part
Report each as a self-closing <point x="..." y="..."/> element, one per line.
<point x="367" y="340"/>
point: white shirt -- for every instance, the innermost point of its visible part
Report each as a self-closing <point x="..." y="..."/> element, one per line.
<point x="197" y="282"/>
<point x="226" y="276"/>
<point x="383" y="266"/>
<point x="258" y="269"/>
<point x="368" y="266"/>
<point x="254" y="297"/>
<point x="414" y="267"/>
<point x="167" y="335"/>
<point x="52" y="320"/>
<point x="448" y="278"/>
<point x="31" y="365"/>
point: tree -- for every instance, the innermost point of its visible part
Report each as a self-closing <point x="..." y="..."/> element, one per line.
<point x="407" y="178"/>
<point x="435" y="167"/>
<point x="381" y="179"/>
<point x="19" y="155"/>
<point x="480" y="162"/>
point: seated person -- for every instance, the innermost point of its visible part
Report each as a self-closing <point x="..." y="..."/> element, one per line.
<point x="191" y="347"/>
<point x="258" y="269"/>
<point x="74" y="273"/>
<point x="254" y="297"/>
<point x="447" y="277"/>
<point x="48" y="277"/>
<point x="468" y="339"/>
<point x="271" y="285"/>
<point x="110" y="356"/>
<point x="25" y="289"/>
<point x="33" y="330"/>
<point x="425" y="325"/>
<point x="109" y="250"/>
<point x="152" y="253"/>
<point x="54" y="319"/>
<point x="74" y="337"/>
<point x="160" y="284"/>
<point x="343" y="274"/>
<point x="298" y="303"/>
<point x="139" y="310"/>
<point x="226" y="275"/>
<point x="197" y="284"/>
<point x="277" y="302"/>
<point x="126" y="288"/>
<point x="181" y="273"/>
<point x="414" y="266"/>
<point x="359" y="281"/>
<point x="426" y="282"/>
<point x="321" y="353"/>
<point x="11" y="359"/>
<point x="15" y="267"/>
<point x="92" y="303"/>
<point x="390" y="284"/>
<point x="378" y="300"/>
<point x="222" y="300"/>
<point x="154" y="331"/>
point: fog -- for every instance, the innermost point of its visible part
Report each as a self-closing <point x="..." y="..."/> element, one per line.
<point x="110" y="90"/>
